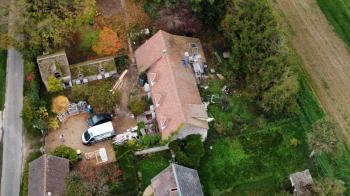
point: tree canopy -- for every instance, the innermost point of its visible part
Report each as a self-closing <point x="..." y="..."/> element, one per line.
<point x="108" y="42"/>
<point x="259" y="62"/>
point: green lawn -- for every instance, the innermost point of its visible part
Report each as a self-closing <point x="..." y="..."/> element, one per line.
<point x="2" y="77"/>
<point x="150" y="165"/>
<point x="247" y="154"/>
<point x="338" y="14"/>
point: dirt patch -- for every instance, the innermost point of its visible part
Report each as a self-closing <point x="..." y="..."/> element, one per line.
<point x="123" y="122"/>
<point x="72" y="131"/>
<point x="109" y="8"/>
<point x="325" y="57"/>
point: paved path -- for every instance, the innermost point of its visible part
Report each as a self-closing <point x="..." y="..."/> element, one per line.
<point x="12" y="122"/>
<point x="12" y="126"/>
<point x="152" y="150"/>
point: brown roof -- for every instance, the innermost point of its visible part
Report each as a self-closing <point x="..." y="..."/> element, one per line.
<point x="47" y="174"/>
<point x="302" y="182"/>
<point x="177" y="180"/>
<point x="174" y="86"/>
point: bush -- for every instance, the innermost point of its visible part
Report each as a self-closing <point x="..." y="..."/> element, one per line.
<point x="128" y="184"/>
<point x="189" y="151"/>
<point x="74" y="185"/>
<point x="121" y="62"/>
<point x="80" y="92"/>
<point x="54" y="84"/>
<point x="149" y="140"/>
<point x="66" y="152"/>
<point x="137" y="105"/>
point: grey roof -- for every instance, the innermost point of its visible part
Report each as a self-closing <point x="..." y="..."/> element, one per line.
<point x="47" y="174"/>
<point x="177" y="180"/>
<point x="302" y="182"/>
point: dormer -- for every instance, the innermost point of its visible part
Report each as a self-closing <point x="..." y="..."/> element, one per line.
<point x="157" y="99"/>
<point x="163" y="122"/>
<point x="152" y="77"/>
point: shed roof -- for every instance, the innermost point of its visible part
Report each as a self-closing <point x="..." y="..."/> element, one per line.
<point x="177" y="180"/>
<point x="174" y="85"/>
<point x="301" y="181"/>
<point x="47" y="174"/>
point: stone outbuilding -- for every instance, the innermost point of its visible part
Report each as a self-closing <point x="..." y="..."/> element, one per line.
<point x="302" y="183"/>
<point x="177" y="180"/>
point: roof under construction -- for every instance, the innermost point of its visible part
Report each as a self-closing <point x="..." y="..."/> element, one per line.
<point x="173" y="86"/>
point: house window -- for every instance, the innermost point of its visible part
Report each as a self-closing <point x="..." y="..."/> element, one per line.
<point x="152" y="78"/>
<point x="157" y="98"/>
<point x="163" y="122"/>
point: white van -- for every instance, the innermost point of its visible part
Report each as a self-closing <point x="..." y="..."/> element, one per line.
<point x="98" y="133"/>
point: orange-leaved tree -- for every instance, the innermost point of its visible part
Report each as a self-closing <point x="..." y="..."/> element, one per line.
<point x="108" y="42"/>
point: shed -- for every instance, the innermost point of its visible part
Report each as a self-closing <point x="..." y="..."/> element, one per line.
<point x="177" y="180"/>
<point x="301" y="182"/>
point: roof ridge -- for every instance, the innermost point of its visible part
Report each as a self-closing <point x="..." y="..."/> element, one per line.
<point x="176" y="180"/>
<point x="169" y="63"/>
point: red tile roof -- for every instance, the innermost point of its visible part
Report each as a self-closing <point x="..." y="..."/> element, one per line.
<point x="174" y="86"/>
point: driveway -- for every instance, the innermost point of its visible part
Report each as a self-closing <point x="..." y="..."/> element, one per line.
<point x="12" y="149"/>
<point x="72" y="129"/>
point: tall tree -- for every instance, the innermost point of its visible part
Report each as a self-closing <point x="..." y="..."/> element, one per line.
<point x="259" y="61"/>
<point x="108" y="42"/>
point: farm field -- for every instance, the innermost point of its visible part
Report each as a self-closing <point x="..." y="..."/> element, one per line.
<point x="325" y="59"/>
<point x="324" y="55"/>
<point x="338" y="14"/>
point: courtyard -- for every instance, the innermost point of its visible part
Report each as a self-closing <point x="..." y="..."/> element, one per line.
<point x="73" y="128"/>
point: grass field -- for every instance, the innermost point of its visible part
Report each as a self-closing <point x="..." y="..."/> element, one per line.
<point x="2" y="77"/>
<point x="338" y="14"/>
<point x="251" y="155"/>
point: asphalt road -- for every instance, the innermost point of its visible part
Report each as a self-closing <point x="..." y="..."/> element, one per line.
<point x="12" y="126"/>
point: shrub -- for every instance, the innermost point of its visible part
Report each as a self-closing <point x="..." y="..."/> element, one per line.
<point x="189" y="151"/>
<point x="137" y="105"/>
<point x="74" y="185"/>
<point x="322" y="137"/>
<point x="121" y="62"/>
<point x="149" y="140"/>
<point x="126" y="159"/>
<point x="80" y="92"/>
<point x="66" y="152"/>
<point x="54" y="84"/>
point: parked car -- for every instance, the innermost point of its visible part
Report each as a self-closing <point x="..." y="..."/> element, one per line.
<point x="98" y="133"/>
<point x="98" y="119"/>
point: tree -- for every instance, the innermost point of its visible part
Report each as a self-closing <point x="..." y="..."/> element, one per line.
<point x="189" y="151"/>
<point x="259" y="63"/>
<point x="60" y="104"/>
<point x="108" y="43"/>
<point x="101" y="98"/>
<point x="322" y="137"/>
<point x="327" y="186"/>
<point x="54" y="84"/>
<point x="45" y="24"/>
<point x="66" y="152"/>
